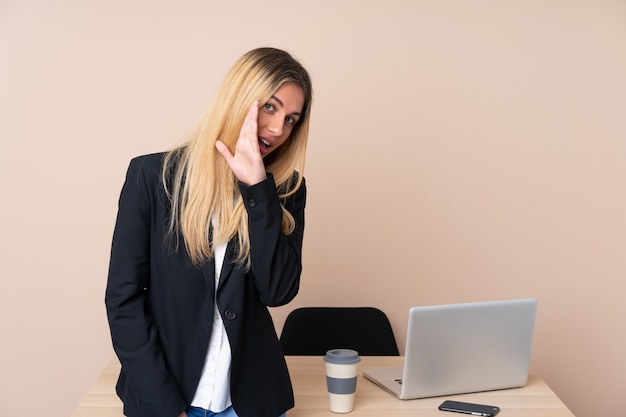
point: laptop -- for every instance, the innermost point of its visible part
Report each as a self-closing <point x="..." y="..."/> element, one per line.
<point x="461" y="348"/>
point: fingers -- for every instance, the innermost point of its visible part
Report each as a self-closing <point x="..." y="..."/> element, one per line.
<point x="248" y="131"/>
<point x="253" y="112"/>
<point x="246" y="161"/>
<point x="223" y="149"/>
<point x="248" y="139"/>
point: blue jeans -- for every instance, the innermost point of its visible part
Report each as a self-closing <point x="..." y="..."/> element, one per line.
<point x="201" y="412"/>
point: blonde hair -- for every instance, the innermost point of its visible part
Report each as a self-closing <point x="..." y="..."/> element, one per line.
<point x="199" y="183"/>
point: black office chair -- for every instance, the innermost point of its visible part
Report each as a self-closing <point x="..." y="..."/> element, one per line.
<point x="315" y="330"/>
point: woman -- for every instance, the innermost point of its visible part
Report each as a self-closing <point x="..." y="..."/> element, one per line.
<point x="207" y="237"/>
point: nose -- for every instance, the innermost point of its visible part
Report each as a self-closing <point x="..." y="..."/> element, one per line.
<point x="276" y="125"/>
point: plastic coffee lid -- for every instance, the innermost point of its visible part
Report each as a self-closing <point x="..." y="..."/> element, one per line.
<point x="342" y="356"/>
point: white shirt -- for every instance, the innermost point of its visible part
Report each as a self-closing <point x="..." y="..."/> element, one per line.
<point x="213" y="392"/>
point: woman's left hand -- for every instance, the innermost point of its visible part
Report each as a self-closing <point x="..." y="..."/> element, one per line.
<point x="247" y="162"/>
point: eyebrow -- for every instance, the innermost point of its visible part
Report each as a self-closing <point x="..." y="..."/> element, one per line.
<point x="295" y="113"/>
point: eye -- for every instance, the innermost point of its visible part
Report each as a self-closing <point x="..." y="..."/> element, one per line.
<point x="269" y="107"/>
<point x="290" y="120"/>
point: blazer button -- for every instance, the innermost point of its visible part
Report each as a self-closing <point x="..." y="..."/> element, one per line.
<point x="230" y="315"/>
<point x="252" y="202"/>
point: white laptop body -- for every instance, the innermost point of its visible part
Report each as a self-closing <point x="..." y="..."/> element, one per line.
<point x="461" y="348"/>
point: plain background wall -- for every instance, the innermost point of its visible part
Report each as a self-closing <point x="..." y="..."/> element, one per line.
<point x="459" y="151"/>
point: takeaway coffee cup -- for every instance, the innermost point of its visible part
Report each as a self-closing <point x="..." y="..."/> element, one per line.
<point x="342" y="366"/>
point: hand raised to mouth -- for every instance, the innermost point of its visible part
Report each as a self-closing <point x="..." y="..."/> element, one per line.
<point x="247" y="161"/>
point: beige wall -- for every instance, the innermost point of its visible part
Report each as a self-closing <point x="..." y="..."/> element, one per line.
<point x="460" y="151"/>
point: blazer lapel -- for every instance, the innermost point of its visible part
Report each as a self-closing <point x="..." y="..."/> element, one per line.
<point x="208" y="272"/>
<point x="227" y="265"/>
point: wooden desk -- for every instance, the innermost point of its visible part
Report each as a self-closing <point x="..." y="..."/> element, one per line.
<point x="309" y="383"/>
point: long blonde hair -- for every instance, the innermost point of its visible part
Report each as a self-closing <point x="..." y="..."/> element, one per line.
<point x="199" y="183"/>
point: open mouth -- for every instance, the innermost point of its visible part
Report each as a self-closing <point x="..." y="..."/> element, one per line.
<point x="264" y="145"/>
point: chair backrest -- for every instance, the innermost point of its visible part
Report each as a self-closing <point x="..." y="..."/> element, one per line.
<point x="315" y="330"/>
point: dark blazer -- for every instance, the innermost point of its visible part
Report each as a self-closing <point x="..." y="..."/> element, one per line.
<point x="160" y="305"/>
